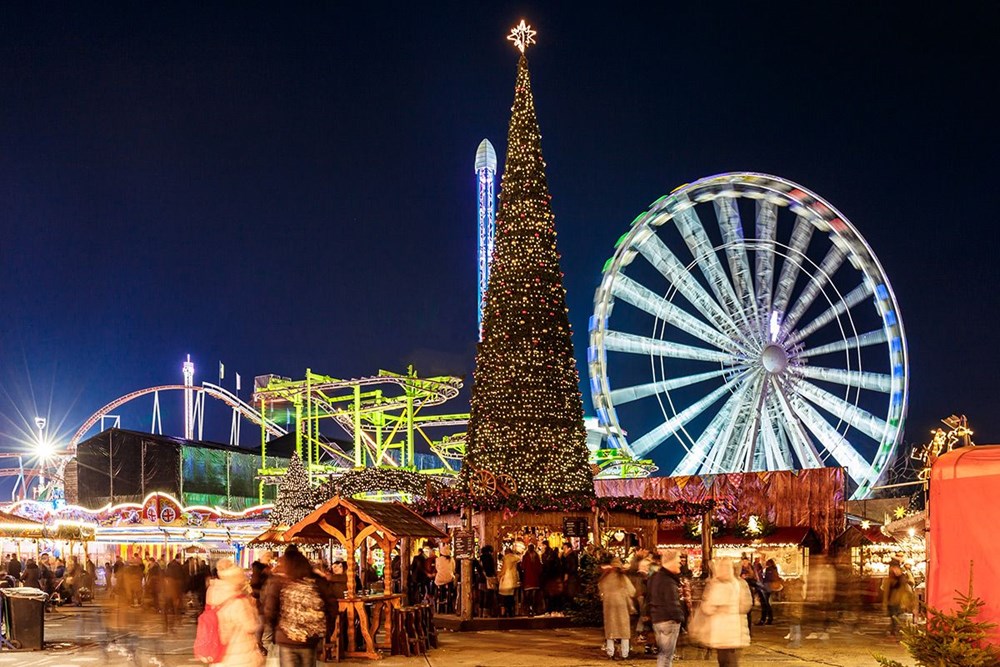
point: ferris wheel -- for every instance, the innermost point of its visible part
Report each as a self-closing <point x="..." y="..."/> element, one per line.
<point x="755" y="330"/>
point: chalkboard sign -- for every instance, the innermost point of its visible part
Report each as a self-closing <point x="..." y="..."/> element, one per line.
<point x="463" y="544"/>
<point x="575" y="527"/>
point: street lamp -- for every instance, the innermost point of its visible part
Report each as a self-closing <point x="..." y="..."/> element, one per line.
<point x="43" y="449"/>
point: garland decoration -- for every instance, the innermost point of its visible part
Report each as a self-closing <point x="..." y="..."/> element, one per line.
<point x="452" y="501"/>
<point x="381" y="480"/>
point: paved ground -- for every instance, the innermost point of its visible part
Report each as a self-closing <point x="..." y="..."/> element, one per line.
<point x="93" y="636"/>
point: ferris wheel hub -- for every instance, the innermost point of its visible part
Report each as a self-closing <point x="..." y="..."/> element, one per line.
<point x="774" y="359"/>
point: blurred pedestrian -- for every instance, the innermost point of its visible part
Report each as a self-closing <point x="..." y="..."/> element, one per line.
<point x="229" y="595"/>
<point x="617" y="593"/>
<point x="31" y="577"/>
<point x="725" y="602"/>
<point x="300" y="607"/>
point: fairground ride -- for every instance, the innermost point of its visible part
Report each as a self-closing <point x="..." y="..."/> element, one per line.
<point x="386" y="416"/>
<point x="750" y="293"/>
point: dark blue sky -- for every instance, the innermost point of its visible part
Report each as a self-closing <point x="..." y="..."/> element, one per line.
<point x="291" y="187"/>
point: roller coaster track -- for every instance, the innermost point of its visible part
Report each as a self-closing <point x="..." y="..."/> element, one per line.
<point x="245" y="409"/>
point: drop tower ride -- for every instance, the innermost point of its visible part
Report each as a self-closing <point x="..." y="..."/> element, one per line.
<point x="486" y="173"/>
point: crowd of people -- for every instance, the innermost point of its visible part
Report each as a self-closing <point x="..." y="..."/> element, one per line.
<point x="534" y="582"/>
<point x="656" y="599"/>
<point x="65" y="581"/>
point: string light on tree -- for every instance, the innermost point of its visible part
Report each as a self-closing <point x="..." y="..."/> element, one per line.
<point x="296" y="496"/>
<point x="527" y="411"/>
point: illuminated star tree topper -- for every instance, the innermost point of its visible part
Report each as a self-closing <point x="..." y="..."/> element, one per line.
<point x="522" y="35"/>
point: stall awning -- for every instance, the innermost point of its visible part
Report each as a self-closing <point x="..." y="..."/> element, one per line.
<point x="786" y="535"/>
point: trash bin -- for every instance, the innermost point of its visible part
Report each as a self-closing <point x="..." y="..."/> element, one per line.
<point x="24" y="613"/>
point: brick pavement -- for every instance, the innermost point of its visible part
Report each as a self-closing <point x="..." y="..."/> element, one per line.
<point x="92" y="635"/>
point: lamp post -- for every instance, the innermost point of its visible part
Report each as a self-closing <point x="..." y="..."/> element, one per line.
<point x="42" y="452"/>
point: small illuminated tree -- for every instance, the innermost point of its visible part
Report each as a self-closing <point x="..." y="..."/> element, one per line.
<point x="296" y="496"/>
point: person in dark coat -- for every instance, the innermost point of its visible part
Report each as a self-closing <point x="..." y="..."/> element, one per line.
<point x="293" y="568"/>
<point x="570" y="561"/>
<point x="31" y="577"/>
<point x="663" y="595"/>
<point x="417" y="582"/>
<point x="552" y="580"/>
<point x="14" y="568"/>
<point x="531" y="579"/>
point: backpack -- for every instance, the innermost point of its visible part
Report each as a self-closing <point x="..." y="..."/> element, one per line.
<point x="208" y="646"/>
<point x="303" y="614"/>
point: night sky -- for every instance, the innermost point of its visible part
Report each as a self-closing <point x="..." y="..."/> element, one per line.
<point x="283" y="187"/>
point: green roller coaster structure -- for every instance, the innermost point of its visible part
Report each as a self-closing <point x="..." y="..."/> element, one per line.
<point x="385" y="415"/>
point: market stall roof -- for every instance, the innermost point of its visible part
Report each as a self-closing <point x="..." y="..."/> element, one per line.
<point x="14" y="526"/>
<point x="792" y="535"/>
<point x="278" y="535"/>
<point x="394" y="519"/>
<point x="856" y="536"/>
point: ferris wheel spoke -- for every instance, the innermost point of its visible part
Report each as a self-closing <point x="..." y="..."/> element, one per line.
<point x="775" y="451"/>
<point x="767" y="217"/>
<point x="690" y="227"/>
<point x="650" y="440"/>
<point x="739" y="266"/>
<point x="632" y="292"/>
<point x="629" y="394"/>
<point x="830" y="264"/>
<point x="617" y="341"/>
<point x="740" y="455"/>
<point x="864" y="340"/>
<point x="833" y="441"/>
<point x="694" y="458"/>
<point x="858" y="379"/>
<point x="664" y="261"/>
<point x="861" y="419"/>
<point x="798" y="243"/>
<point x="853" y="298"/>
<point x="799" y="440"/>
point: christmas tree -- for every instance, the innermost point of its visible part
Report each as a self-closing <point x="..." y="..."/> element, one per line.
<point x="951" y="639"/>
<point x="527" y="412"/>
<point x="296" y="496"/>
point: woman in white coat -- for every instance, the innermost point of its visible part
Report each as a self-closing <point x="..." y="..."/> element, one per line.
<point x="509" y="580"/>
<point x="238" y="620"/>
<point x="725" y="603"/>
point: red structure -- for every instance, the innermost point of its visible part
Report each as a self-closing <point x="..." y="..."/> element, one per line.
<point x="964" y="514"/>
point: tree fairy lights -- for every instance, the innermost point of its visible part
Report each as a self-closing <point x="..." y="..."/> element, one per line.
<point x="527" y="412"/>
<point x="296" y="496"/>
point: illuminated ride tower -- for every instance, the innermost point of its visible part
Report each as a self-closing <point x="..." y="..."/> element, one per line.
<point x="188" y="369"/>
<point x="486" y="173"/>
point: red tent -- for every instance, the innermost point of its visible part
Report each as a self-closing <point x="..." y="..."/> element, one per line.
<point x="964" y="514"/>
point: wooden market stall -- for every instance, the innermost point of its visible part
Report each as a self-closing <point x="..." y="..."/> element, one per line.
<point x="350" y="523"/>
<point x="789" y="546"/>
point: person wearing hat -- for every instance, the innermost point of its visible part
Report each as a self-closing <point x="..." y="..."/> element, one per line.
<point x="229" y="595"/>
<point x="617" y="593"/>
